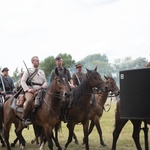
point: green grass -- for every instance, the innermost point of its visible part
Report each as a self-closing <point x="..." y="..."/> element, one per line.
<point x="125" y="141"/>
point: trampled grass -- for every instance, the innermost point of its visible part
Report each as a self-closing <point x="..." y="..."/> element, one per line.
<point x="125" y="141"/>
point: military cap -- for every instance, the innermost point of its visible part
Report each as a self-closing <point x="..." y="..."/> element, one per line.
<point x="58" y="58"/>
<point x="78" y="65"/>
<point x="5" y="69"/>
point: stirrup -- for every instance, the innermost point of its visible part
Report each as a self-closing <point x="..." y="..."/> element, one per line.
<point x="26" y="122"/>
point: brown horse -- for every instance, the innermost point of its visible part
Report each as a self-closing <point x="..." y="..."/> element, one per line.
<point x="1" y="126"/>
<point x="46" y="116"/>
<point x="79" y="112"/>
<point x="97" y="107"/>
<point x="120" y="123"/>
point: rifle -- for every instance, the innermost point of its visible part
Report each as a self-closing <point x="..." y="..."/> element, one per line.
<point x="28" y="81"/>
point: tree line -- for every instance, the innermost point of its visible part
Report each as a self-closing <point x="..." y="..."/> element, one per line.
<point x="90" y="62"/>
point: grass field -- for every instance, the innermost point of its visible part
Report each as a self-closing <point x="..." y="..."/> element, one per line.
<point x="125" y="141"/>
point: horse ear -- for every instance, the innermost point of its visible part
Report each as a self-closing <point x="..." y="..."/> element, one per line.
<point x="56" y="71"/>
<point x="105" y="77"/>
<point x="87" y="70"/>
<point x="95" y="68"/>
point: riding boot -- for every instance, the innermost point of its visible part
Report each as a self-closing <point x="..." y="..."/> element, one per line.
<point x="37" y="99"/>
<point x="25" y="119"/>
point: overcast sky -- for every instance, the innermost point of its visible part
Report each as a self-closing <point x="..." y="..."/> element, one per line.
<point x="117" y="28"/>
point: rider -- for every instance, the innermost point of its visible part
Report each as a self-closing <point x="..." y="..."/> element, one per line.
<point x="38" y="81"/>
<point x="78" y="76"/>
<point x="6" y="84"/>
<point x="59" y="66"/>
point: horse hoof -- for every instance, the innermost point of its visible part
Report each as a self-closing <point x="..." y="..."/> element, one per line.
<point x="12" y="145"/>
<point x="22" y="147"/>
<point x="64" y="148"/>
<point x="32" y="141"/>
<point x="76" y="142"/>
<point x="41" y="146"/>
<point x="103" y="144"/>
<point x="3" y="145"/>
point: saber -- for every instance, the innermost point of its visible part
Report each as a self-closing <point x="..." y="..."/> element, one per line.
<point x="3" y="83"/>
<point x="3" y="100"/>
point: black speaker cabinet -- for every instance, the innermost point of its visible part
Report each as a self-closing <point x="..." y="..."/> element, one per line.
<point x="135" y="93"/>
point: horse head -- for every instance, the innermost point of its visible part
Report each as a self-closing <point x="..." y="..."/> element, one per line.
<point x="95" y="80"/>
<point x="59" y="84"/>
<point x="112" y="86"/>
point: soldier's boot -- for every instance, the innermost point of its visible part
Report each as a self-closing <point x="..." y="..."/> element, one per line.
<point x="37" y="99"/>
<point x="25" y="119"/>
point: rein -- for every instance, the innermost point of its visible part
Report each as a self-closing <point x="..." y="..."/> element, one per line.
<point x="109" y="105"/>
<point x="51" y="108"/>
<point x="55" y="95"/>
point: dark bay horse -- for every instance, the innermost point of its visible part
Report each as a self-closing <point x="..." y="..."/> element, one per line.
<point x="120" y="123"/>
<point x="79" y="112"/>
<point x="46" y="116"/>
<point x="49" y="114"/>
<point x="97" y="107"/>
<point x="1" y="127"/>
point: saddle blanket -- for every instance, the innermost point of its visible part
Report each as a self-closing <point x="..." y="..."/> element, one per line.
<point x="15" y="107"/>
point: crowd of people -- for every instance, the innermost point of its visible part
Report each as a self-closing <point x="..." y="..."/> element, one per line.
<point x="33" y="82"/>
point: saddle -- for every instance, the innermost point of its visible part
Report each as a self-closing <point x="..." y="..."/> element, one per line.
<point x="17" y="103"/>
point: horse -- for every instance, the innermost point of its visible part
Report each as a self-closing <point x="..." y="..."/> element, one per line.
<point x="50" y="108"/>
<point x="80" y="96"/>
<point x="97" y="106"/>
<point x="120" y="123"/>
<point x="1" y="127"/>
<point x="79" y="112"/>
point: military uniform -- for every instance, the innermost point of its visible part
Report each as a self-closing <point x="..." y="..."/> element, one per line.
<point x="37" y="81"/>
<point x="8" y="83"/>
<point x="77" y="77"/>
<point x="61" y="70"/>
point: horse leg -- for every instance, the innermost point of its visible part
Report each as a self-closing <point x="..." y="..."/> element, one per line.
<point x="20" y="137"/>
<point x="6" y="135"/>
<point x="119" y="124"/>
<point x="97" y="123"/>
<point x="90" y="130"/>
<point x="70" y="127"/>
<point x="136" y="132"/>
<point x="2" y="141"/>
<point x="48" y="134"/>
<point x="15" y="141"/>
<point x="85" y="130"/>
<point x="75" y="138"/>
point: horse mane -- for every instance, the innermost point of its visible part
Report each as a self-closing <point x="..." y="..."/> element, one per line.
<point x="78" y="92"/>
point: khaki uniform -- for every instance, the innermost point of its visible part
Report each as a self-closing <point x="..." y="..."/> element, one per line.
<point x="80" y="77"/>
<point x="39" y="78"/>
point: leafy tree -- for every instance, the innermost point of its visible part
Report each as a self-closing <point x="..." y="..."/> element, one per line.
<point x="16" y="74"/>
<point x="128" y="63"/>
<point x="101" y="61"/>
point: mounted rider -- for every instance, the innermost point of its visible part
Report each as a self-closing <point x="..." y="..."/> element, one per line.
<point x="38" y="81"/>
<point x="6" y="84"/>
<point x="59" y="66"/>
<point x="79" y="75"/>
